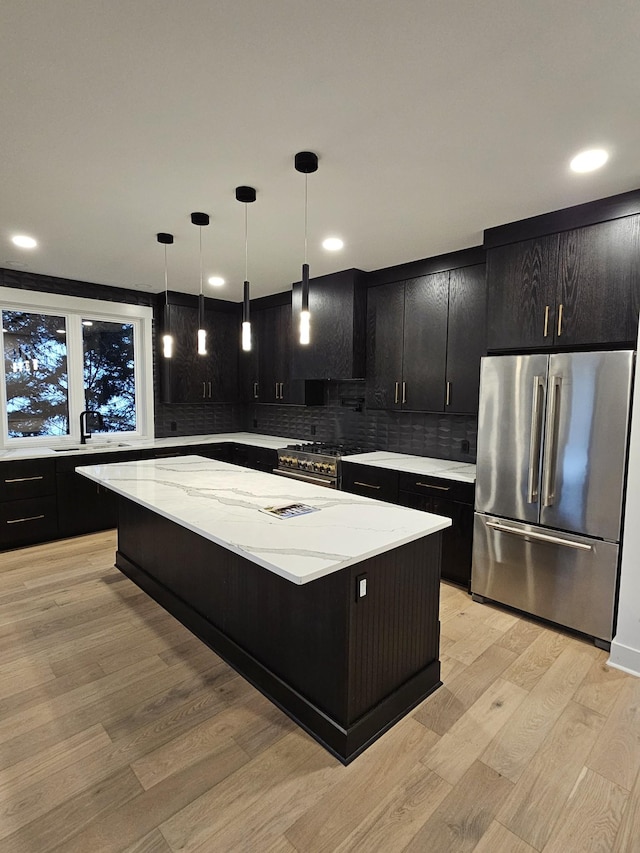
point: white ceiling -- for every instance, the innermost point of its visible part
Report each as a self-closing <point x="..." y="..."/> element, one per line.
<point x="432" y="119"/>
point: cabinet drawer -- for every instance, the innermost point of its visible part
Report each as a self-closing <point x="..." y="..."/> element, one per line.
<point x="27" y="478"/>
<point x="378" y="483"/>
<point x="437" y="487"/>
<point x="28" y="521"/>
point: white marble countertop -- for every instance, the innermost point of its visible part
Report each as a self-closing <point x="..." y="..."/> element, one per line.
<point x="98" y="445"/>
<point x="447" y="469"/>
<point x="222" y="502"/>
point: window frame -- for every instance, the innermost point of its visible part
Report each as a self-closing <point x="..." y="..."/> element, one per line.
<point x="74" y="309"/>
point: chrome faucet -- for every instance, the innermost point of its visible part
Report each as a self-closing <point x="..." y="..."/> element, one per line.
<point x="85" y="433"/>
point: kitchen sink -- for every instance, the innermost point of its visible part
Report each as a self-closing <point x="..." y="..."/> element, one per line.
<point x="90" y="447"/>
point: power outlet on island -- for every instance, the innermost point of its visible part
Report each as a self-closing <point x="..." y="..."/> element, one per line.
<point x="361" y="587"/>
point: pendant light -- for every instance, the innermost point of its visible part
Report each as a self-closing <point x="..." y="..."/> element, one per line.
<point x="201" y="219"/>
<point x="167" y="339"/>
<point x="305" y="162"/>
<point x="246" y="195"/>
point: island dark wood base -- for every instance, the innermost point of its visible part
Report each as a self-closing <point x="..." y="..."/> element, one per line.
<point x="344" y="668"/>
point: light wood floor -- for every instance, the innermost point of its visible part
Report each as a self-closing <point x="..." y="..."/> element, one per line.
<point x="119" y="731"/>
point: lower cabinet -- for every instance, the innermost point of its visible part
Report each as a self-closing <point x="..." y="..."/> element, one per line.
<point x="259" y="458"/>
<point x="454" y="500"/>
<point x="450" y="498"/>
<point x="27" y="502"/>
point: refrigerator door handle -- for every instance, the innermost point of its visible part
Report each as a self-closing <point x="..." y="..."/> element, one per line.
<point x="542" y="537"/>
<point x="551" y="451"/>
<point x="535" y="442"/>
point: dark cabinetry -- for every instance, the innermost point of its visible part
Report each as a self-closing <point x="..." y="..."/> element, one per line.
<point x="191" y="378"/>
<point x="454" y="500"/>
<point x="337" y="306"/>
<point x="27" y="502"/>
<point x="272" y="331"/>
<point x="450" y="498"/>
<point x="260" y="458"/>
<point x="580" y="287"/>
<point x="425" y="338"/>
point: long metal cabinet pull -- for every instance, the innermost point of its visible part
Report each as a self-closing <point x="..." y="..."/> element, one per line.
<point x="255" y="390"/>
<point x="546" y="321"/>
<point x="367" y="485"/>
<point x="397" y="392"/>
<point x="282" y="390"/>
<point x="559" y="319"/>
<point x="209" y="389"/>
<point x="543" y="537"/>
<point x="404" y="392"/>
<point x="431" y="486"/>
<point x="204" y="390"/>
<point x="21" y="520"/>
<point x="24" y="479"/>
<point x="535" y="441"/>
<point x="551" y="453"/>
<point x="448" y="400"/>
<point x="277" y="398"/>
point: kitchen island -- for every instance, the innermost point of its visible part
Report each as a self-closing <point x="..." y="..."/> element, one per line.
<point x="332" y="614"/>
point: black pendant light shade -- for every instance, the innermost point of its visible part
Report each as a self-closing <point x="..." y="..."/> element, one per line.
<point x="201" y="219"/>
<point x="167" y="339"/>
<point x="305" y="162"/>
<point x="246" y="195"/>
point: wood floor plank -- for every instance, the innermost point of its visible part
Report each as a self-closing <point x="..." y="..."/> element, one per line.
<point x="152" y="843"/>
<point x="519" y="637"/>
<point x="465" y="814"/>
<point x="616" y="754"/>
<point x="463" y="744"/>
<point x="540" y="794"/>
<point x="447" y="705"/>
<point x="469" y="648"/>
<point x="529" y="667"/>
<point x="361" y="788"/>
<point x="601" y="686"/>
<point x="518" y="741"/>
<point x="498" y="839"/>
<point x="628" y="835"/>
<point x="592" y="817"/>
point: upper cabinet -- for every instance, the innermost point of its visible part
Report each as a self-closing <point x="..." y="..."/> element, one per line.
<point x="576" y="288"/>
<point x="272" y="331"/>
<point x="337" y="305"/>
<point x="188" y="377"/>
<point x="425" y="338"/>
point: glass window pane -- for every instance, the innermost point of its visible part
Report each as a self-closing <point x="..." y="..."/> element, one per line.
<point x="35" y="369"/>
<point x="109" y="378"/>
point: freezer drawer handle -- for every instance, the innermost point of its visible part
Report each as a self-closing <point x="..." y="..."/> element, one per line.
<point x="536" y="439"/>
<point x="543" y="537"/>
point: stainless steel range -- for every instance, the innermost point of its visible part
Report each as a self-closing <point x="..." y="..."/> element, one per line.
<point x="317" y="463"/>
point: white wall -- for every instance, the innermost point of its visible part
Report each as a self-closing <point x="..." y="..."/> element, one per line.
<point x="625" y="648"/>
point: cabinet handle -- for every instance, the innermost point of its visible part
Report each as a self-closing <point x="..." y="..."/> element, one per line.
<point x="282" y="390"/>
<point x="209" y="389"/>
<point x="404" y="392"/>
<point x="28" y="518"/>
<point x="277" y="398"/>
<point x="546" y="321"/>
<point x="255" y="390"/>
<point x="366" y="485"/>
<point x="397" y="392"/>
<point x="560" y="319"/>
<point x="431" y="486"/>
<point x="448" y="400"/>
<point x="204" y="390"/>
<point x="24" y="479"/>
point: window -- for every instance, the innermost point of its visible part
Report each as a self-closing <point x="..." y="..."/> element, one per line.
<point x="64" y="355"/>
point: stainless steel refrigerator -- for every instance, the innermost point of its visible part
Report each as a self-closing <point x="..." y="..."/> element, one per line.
<point x="552" y="450"/>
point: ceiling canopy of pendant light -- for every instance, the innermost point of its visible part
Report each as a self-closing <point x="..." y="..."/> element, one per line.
<point x="247" y="195"/>
<point x="167" y="340"/>
<point x="305" y="162"/>
<point x="201" y="219"/>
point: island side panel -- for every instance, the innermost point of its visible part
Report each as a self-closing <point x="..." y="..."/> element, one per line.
<point x="395" y="629"/>
<point x="299" y="633"/>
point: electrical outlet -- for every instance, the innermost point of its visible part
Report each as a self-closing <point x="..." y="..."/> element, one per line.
<point x="173" y="426"/>
<point x="361" y="586"/>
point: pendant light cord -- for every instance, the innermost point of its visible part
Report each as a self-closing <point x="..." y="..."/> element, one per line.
<point x="305" y="216"/>
<point x="166" y="279"/>
<point x="200" y="233"/>
<point x="246" y="242"/>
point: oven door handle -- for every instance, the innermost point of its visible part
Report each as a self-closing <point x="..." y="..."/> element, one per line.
<point x="309" y="478"/>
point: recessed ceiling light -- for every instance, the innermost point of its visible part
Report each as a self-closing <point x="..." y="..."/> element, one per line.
<point x="216" y="280"/>
<point x="24" y="242"/>
<point x="333" y="244"/>
<point x="587" y="161"/>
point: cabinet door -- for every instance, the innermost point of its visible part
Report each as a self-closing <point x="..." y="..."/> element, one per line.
<point x="282" y="353"/>
<point x="367" y="480"/>
<point x="521" y="294"/>
<point x="385" y="323"/>
<point x="599" y="283"/>
<point x="424" y="349"/>
<point x="466" y="338"/>
<point x="84" y="506"/>
<point x="274" y="332"/>
<point x="182" y="373"/>
<point x="221" y="365"/>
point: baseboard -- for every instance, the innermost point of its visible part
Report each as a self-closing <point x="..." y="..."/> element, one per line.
<point x="625" y="658"/>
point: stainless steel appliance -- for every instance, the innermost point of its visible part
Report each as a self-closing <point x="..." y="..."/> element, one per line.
<point x="317" y="463"/>
<point x="552" y="448"/>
